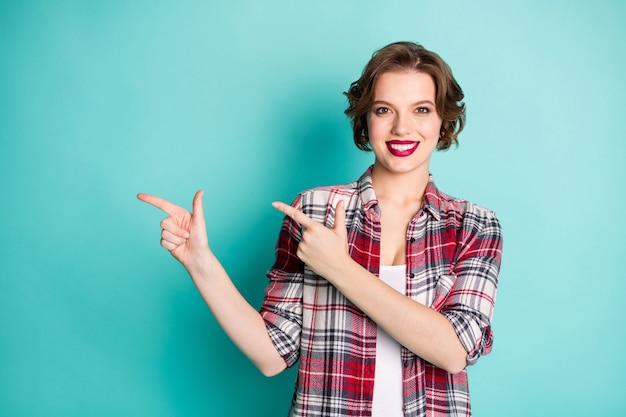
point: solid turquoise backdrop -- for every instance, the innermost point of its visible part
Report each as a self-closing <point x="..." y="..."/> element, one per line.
<point x="102" y="100"/>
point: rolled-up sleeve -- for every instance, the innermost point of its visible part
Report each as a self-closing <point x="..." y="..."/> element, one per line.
<point x="470" y="303"/>
<point x="282" y="306"/>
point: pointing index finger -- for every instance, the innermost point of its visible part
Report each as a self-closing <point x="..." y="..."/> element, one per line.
<point x="295" y="214"/>
<point x="159" y="203"/>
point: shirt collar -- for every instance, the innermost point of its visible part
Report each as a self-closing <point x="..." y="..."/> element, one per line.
<point x="432" y="199"/>
<point x="366" y="190"/>
<point x="432" y="196"/>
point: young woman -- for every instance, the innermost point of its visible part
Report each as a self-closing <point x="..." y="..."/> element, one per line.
<point x="383" y="288"/>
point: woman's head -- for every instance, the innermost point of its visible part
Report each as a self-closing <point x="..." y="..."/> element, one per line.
<point x="407" y="56"/>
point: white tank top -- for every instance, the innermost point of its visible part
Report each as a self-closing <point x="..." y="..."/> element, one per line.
<point x="388" y="399"/>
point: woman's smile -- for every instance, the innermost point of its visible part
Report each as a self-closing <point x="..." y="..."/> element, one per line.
<point x="402" y="148"/>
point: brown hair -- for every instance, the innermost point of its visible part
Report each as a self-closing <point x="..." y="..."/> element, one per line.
<point x="407" y="56"/>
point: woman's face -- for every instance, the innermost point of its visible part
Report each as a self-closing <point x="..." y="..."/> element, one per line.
<point x="403" y="124"/>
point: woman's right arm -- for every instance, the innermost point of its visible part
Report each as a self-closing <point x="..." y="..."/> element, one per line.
<point x="184" y="236"/>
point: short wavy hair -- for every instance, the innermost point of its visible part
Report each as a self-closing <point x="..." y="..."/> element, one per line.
<point x="400" y="56"/>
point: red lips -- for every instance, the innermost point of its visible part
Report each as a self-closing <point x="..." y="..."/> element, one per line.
<point x="402" y="148"/>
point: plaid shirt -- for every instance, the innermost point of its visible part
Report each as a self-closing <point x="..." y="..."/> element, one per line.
<point x="453" y="254"/>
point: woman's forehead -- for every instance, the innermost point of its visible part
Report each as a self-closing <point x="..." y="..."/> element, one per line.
<point x="404" y="84"/>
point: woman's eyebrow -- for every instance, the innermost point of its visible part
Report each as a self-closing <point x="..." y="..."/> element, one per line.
<point x="413" y="104"/>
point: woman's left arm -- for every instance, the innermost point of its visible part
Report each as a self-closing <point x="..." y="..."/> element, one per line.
<point x="421" y="329"/>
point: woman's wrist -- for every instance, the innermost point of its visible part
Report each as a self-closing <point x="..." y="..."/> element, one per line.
<point x="204" y="267"/>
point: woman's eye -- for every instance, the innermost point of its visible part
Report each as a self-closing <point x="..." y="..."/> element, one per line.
<point x="422" y="110"/>
<point x="381" y="110"/>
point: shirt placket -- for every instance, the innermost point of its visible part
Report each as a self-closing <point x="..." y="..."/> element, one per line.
<point x="415" y="244"/>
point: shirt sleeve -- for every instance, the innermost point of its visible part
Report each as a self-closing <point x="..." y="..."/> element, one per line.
<point x="469" y="304"/>
<point x="282" y="306"/>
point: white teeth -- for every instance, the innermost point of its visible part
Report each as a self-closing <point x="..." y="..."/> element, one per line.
<point x="402" y="148"/>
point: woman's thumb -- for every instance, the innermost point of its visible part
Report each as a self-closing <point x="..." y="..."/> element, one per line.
<point x="198" y="210"/>
<point x="340" y="218"/>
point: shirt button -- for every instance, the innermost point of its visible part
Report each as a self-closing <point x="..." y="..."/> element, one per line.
<point x="411" y="275"/>
<point x="412" y="240"/>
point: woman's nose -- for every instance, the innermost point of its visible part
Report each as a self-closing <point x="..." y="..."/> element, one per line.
<point x="401" y="125"/>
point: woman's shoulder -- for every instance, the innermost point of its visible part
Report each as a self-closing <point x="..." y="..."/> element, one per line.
<point x="320" y="202"/>
<point x="464" y="212"/>
<point x="325" y="193"/>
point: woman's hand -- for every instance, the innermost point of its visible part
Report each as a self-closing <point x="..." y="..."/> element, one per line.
<point x="323" y="249"/>
<point x="184" y="233"/>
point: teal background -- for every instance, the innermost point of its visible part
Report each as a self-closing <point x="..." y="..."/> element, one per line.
<point x="102" y="100"/>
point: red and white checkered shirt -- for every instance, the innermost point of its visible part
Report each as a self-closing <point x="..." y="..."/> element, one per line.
<point x="453" y="257"/>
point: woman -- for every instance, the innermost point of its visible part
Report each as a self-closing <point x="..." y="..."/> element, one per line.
<point x="383" y="289"/>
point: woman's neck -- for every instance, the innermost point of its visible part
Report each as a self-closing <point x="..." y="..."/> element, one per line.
<point x="399" y="187"/>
